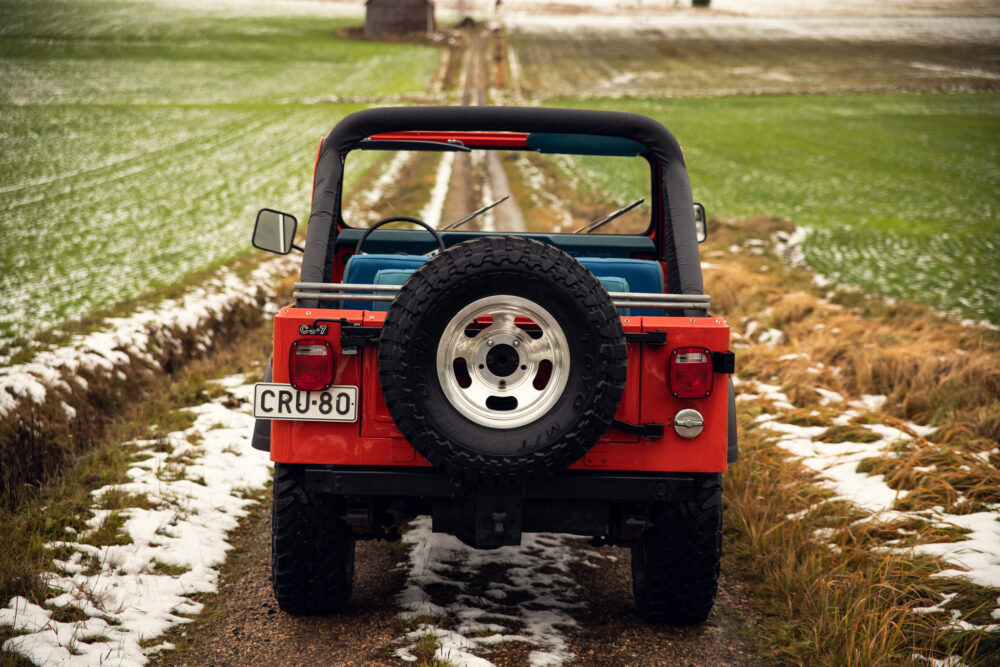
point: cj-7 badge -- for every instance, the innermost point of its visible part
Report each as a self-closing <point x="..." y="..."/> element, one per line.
<point x="308" y="330"/>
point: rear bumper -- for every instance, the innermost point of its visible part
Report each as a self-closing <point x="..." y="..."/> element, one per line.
<point x="431" y="484"/>
<point x="611" y="507"/>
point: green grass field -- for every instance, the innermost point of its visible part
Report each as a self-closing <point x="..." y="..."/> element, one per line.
<point x="899" y="190"/>
<point x="139" y="139"/>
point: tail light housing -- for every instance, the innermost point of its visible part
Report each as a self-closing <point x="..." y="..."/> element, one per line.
<point x="310" y="365"/>
<point x="691" y="372"/>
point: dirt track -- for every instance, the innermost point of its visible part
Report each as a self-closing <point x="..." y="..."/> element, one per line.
<point x="476" y="181"/>
<point x="242" y="624"/>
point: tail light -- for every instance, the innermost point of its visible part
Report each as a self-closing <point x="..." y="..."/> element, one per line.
<point x="310" y="365"/>
<point x="691" y="372"/>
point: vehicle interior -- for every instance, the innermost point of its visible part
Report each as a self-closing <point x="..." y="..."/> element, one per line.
<point x="594" y="197"/>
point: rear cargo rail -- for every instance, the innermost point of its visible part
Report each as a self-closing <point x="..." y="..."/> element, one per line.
<point x="387" y="293"/>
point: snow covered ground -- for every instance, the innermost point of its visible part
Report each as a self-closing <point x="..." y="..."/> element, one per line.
<point x="899" y="29"/>
<point x="195" y="485"/>
<point x="531" y="604"/>
<point x="721" y="7"/>
<point x="123" y="339"/>
<point x="976" y="558"/>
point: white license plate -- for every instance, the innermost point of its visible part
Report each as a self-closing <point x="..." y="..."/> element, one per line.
<point x="283" y="401"/>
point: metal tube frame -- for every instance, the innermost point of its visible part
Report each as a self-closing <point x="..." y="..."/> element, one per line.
<point x="356" y="292"/>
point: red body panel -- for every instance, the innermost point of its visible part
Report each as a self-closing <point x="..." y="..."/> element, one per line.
<point x="374" y="441"/>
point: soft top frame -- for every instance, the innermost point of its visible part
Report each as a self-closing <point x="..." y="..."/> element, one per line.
<point x="675" y="234"/>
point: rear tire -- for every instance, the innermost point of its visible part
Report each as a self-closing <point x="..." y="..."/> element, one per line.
<point x="312" y="548"/>
<point x="675" y="566"/>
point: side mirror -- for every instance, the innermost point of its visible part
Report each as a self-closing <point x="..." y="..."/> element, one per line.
<point x="700" y="223"/>
<point x="274" y="231"/>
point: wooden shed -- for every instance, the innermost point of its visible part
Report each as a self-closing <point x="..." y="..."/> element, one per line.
<point x="398" y="17"/>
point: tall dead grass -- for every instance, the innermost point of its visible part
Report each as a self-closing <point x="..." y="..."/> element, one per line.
<point x="826" y="596"/>
<point x="831" y="593"/>
<point x="932" y="369"/>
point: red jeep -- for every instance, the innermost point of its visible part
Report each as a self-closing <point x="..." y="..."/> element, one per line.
<point x="545" y="377"/>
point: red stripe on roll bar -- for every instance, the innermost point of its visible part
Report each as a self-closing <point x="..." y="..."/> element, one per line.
<point x="469" y="139"/>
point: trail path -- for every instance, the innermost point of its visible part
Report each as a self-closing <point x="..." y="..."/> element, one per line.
<point x="477" y="181"/>
<point x="244" y="626"/>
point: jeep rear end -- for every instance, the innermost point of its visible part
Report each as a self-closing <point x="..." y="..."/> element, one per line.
<point x="499" y="382"/>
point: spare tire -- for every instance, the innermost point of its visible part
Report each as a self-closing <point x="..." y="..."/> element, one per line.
<point x="502" y="359"/>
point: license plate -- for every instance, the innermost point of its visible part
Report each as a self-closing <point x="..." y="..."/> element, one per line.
<point x="282" y="401"/>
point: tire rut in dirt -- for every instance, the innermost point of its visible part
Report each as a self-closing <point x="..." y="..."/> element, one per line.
<point x="521" y="268"/>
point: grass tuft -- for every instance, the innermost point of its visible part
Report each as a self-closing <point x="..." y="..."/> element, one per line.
<point x="848" y="434"/>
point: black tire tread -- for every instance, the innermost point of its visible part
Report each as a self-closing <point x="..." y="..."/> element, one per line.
<point x="312" y="549"/>
<point x="675" y="568"/>
<point x="413" y="300"/>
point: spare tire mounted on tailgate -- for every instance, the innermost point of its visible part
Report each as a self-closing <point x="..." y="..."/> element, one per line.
<point x="502" y="359"/>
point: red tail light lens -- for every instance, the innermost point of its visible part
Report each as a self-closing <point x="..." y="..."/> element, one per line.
<point x="691" y="372"/>
<point x="310" y="365"/>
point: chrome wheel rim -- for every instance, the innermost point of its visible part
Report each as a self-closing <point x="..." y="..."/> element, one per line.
<point x="503" y="361"/>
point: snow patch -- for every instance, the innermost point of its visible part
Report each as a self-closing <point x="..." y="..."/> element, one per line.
<point x="132" y="593"/>
<point x="135" y="337"/>
<point x="538" y="573"/>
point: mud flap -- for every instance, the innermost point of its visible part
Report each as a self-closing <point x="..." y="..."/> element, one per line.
<point x="732" y="447"/>
<point x="490" y="519"/>
<point x="262" y="427"/>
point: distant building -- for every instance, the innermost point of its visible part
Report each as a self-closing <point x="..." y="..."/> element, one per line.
<point x="398" y="17"/>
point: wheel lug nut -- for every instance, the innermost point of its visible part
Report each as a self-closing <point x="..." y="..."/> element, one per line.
<point x="489" y="342"/>
<point x="517" y="343"/>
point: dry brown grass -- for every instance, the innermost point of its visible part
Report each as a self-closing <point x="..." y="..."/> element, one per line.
<point x="932" y="369"/>
<point x="822" y="606"/>
<point x="830" y="591"/>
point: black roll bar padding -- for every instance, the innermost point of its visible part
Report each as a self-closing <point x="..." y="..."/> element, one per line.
<point x="680" y="247"/>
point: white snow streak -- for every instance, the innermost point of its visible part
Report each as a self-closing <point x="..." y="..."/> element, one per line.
<point x="538" y="574"/>
<point x="122" y="589"/>
<point x="976" y="556"/>
<point x="431" y="213"/>
<point x="135" y="337"/>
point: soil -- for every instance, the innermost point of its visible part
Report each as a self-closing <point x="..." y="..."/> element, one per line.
<point x="242" y="625"/>
<point x="713" y="55"/>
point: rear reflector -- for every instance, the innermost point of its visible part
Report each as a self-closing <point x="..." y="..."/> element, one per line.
<point x="310" y="365"/>
<point x="691" y="372"/>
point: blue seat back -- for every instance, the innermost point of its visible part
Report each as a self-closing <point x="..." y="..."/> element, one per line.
<point x="615" y="284"/>
<point x="363" y="269"/>
<point x="616" y="274"/>
<point x="640" y="275"/>
<point x="390" y="277"/>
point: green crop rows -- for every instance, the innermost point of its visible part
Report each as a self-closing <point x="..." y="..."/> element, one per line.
<point x="899" y="190"/>
<point x="139" y="139"/>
